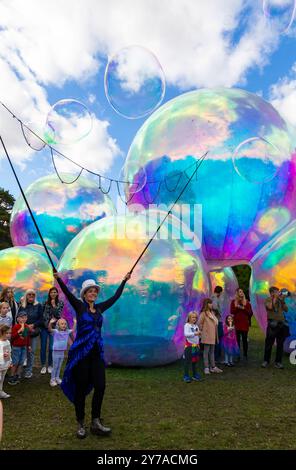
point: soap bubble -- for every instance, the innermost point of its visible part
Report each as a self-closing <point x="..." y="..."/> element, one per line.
<point x="134" y="82"/>
<point x="68" y="121"/>
<point x="280" y="13"/>
<point x="256" y="160"/>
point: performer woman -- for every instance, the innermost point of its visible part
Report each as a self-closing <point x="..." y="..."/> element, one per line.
<point x="85" y="367"/>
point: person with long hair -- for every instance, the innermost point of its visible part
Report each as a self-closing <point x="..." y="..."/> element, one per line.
<point x="7" y="295"/>
<point x="208" y="324"/>
<point x="191" y="349"/>
<point x="52" y="309"/>
<point x="85" y="368"/>
<point x="241" y="310"/>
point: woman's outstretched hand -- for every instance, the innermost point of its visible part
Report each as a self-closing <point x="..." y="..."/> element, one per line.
<point x="127" y="276"/>
<point x="55" y="274"/>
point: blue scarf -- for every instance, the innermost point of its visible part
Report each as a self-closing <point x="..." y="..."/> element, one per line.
<point x="88" y="334"/>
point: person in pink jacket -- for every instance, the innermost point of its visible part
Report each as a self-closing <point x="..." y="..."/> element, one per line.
<point x="208" y="324"/>
<point x="229" y="341"/>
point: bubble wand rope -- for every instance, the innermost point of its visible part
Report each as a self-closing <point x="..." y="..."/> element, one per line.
<point x="28" y="205"/>
<point x="170" y="211"/>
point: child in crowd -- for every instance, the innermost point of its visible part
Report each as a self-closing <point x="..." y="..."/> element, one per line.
<point x="5" y="314"/>
<point x="20" y="341"/>
<point x="229" y="341"/>
<point x="5" y="356"/>
<point x="191" y="352"/>
<point x="208" y="323"/>
<point x="60" y="341"/>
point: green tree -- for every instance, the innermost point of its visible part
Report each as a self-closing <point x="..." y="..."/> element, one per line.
<point x="6" y="205"/>
<point x="243" y="274"/>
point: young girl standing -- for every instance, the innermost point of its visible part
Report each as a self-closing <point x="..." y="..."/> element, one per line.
<point x="191" y="352"/>
<point x="208" y="324"/>
<point x="5" y="315"/>
<point x="60" y="342"/>
<point x="5" y="356"/>
<point x="229" y="341"/>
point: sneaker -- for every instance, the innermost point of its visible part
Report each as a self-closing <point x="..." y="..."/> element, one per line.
<point x="216" y="370"/>
<point x="207" y="371"/>
<point x="49" y="370"/>
<point x="58" y="381"/>
<point x="28" y="375"/>
<point x="3" y="394"/>
<point x="43" y="370"/>
<point x="264" y="364"/>
<point x="197" y="378"/>
<point x="81" y="431"/>
<point x="231" y="364"/>
<point x="53" y="383"/>
<point x="187" y="379"/>
<point x="97" y="428"/>
<point x="278" y="365"/>
<point x="13" y="380"/>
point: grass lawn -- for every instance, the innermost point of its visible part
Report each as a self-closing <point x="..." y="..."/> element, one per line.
<point x="244" y="408"/>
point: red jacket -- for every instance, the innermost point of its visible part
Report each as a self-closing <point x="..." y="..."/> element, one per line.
<point x="241" y="316"/>
<point x="20" y="340"/>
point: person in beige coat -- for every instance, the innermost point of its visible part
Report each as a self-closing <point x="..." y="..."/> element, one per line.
<point x="208" y="324"/>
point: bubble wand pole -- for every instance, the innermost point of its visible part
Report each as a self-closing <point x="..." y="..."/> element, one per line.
<point x="28" y="205"/>
<point x="170" y="211"/>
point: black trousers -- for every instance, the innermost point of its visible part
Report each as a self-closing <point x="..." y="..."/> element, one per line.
<point x="244" y="335"/>
<point x="279" y="334"/>
<point x="91" y="369"/>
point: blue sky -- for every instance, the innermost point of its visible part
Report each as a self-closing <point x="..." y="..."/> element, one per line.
<point x="53" y="50"/>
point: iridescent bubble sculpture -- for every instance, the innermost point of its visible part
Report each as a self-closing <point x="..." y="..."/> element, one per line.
<point x="26" y="267"/>
<point x="145" y="327"/>
<point x="61" y="211"/>
<point x="246" y="184"/>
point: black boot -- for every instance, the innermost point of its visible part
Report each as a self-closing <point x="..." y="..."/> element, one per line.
<point x="98" y="429"/>
<point x="81" y="431"/>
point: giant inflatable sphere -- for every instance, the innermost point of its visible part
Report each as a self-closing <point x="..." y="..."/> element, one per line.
<point x="145" y="326"/>
<point x="26" y="267"/>
<point x="275" y="265"/>
<point x="61" y="211"/>
<point x="226" y="279"/>
<point x="245" y="185"/>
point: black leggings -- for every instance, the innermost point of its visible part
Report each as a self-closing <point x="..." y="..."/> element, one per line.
<point x="244" y="335"/>
<point x="91" y="369"/>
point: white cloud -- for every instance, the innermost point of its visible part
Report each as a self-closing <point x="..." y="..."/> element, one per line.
<point x="50" y="42"/>
<point x="283" y="96"/>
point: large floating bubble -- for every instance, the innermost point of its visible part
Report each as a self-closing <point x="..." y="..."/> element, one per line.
<point x="238" y="216"/>
<point x="61" y="211"/>
<point x="26" y="267"/>
<point x="68" y="121"/>
<point x="280" y="14"/>
<point x="134" y="82"/>
<point x="274" y="265"/>
<point x="145" y="327"/>
<point x="226" y="279"/>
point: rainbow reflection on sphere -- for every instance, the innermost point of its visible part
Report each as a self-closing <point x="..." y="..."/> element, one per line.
<point x="275" y="265"/>
<point x="145" y="326"/>
<point x="26" y="267"/>
<point x="61" y="211"/>
<point x="241" y="212"/>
